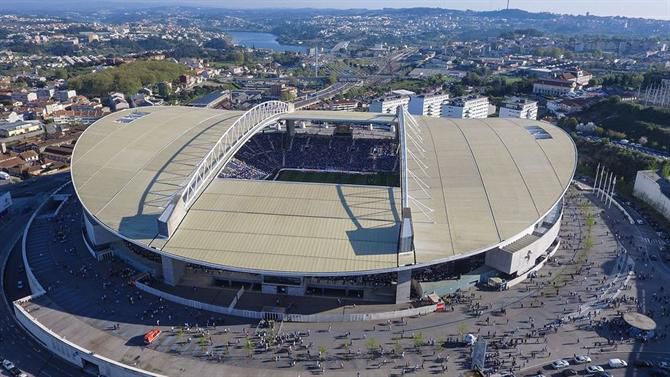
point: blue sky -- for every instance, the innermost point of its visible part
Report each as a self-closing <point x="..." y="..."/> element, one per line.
<point x="659" y="9"/>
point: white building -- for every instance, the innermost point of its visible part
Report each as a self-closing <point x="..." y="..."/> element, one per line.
<point x="427" y="104"/>
<point x="654" y="190"/>
<point x="519" y="108"/>
<point x="388" y="105"/>
<point x="19" y="128"/>
<point x="117" y="102"/>
<point x="554" y="87"/>
<point x="468" y="107"/>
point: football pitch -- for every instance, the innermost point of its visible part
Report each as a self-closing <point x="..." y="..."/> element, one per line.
<point x="366" y="179"/>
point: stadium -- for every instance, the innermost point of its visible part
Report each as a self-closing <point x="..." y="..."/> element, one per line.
<point x="375" y="207"/>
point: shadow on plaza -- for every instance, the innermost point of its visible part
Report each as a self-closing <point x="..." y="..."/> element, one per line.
<point x="618" y="331"/>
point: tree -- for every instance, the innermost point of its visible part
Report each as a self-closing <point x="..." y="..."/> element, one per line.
<point x="249" y="347"/>
<point x="665" y="169"/>
<point x="60" y="74"/>
<point x="372" y="344"/>
<point x="238" y="57"/>
<point x="322" y="353"/>
<point x="472" y="79"/>
<point x="397" y="347"/>
<point x="457" y="90"/>
<point x="332" y="78"/>
<point x="568" y="123"/>
<point x="463" y="329"/>
<point x="418" y="340"/>
<point x="287" y="96"/>
<point x="126" y="78"/>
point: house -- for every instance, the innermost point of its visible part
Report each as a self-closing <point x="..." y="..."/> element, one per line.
<point x="29" y="155"/>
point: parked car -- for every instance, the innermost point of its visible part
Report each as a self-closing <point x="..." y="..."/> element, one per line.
<point x="617" y="363"/>
<point x="569" y="372"/>
<point x="594" y="369"/>
<point x="8" y="365"/>
<point x="644" y="363"/>
<point x="582" y="359"/>
<point x="558" y="364"/>
<point x="659" y="373"/>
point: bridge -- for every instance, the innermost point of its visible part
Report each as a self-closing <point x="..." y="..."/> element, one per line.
<point x="230" y="142"/>
<point x="415" y="192"/>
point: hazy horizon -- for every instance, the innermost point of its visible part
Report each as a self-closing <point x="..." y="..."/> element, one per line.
<point x="653" y="9"/>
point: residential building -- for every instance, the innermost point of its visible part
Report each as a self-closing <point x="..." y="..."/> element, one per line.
<point x="579" y="76"/>
<point x="45" y="94"/>
<point x="18" y="128"/>
<point x="343" y="106"/>
<point x="427" y="104"/>
<point x="519" y="108"/>
<point x="117" y="101"/>
<point x="571" y="105"/>
<point x="29" y="155"/>
<point x="554" y="87"/>
<point x="84" y="117"/>
<point x="65" y="95"/>
<point x="388" y="104"/>
<point x="24" y="96"/>
<point x="62" y="153"/>
<point x="467" y="107"/>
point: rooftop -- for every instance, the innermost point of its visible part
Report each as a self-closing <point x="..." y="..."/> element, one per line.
<point x="489" y="180"/>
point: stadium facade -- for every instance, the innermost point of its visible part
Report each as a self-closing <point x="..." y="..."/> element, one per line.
<point x="361" y="205"/>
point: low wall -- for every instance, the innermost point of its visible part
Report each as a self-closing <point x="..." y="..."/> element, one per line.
<point x="618" y="205"/>
<point x="63" y="348"/>
<point x="198" y="304"/>
<point x="35" y="287"/>
<point x="355" y="317"/>
<point x="352" y="317"/>
<point x="73" y="353"/>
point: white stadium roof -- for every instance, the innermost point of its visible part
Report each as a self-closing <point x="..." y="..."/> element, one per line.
<point x="489" y="180"/>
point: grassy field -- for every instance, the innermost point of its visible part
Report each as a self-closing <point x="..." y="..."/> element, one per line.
<point x="376" y="179"/>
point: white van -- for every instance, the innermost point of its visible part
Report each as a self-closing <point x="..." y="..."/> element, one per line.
<point x="617" y="363"/>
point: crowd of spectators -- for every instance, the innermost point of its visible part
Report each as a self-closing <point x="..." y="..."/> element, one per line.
<point x="266" y="153"/>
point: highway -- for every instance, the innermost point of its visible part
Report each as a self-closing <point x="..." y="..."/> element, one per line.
<point x="390" y="65"/>
<point x="15" y="344"/>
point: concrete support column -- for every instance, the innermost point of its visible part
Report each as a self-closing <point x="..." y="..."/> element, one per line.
<point x="290" y="127"/>
<point x="173" y="270"/>
<point x="97" y="236"/>
<point x="404" y="287"/>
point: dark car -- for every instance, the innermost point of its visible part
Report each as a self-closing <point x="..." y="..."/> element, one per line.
<point x="659" y="373"/>
<point x="644" y="363"/>
<point x="569" y="372"/>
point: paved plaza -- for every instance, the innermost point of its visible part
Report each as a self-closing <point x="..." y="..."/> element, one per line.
<point x="572" y="307"/>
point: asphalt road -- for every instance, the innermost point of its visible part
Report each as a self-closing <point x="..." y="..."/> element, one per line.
<point x="15" y="344"/>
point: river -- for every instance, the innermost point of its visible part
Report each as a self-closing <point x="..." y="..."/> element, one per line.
<point x="261" y="40"/>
